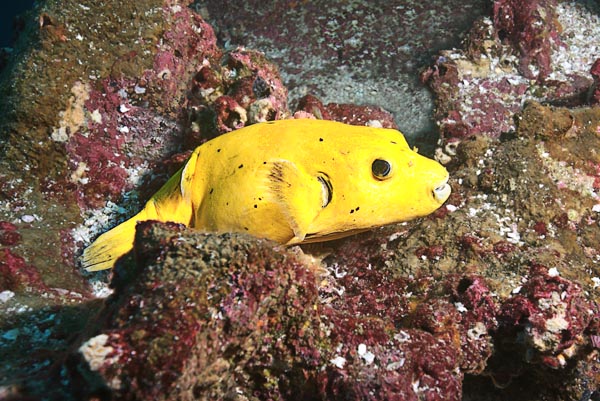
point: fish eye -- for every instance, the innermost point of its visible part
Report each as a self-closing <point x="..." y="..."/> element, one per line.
<point x="381" y="169"/>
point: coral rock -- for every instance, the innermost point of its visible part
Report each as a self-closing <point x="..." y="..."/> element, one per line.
<point x="550" y="314"/>
<point x="533" y="29"/>
<point x="204" y="316"/>
<point x="347" y="113"/>
<point x="16" y="274"/>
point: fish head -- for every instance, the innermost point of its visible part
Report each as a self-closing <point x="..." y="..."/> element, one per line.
<point x="404" y="185"/>
<point x="381" y="181"/>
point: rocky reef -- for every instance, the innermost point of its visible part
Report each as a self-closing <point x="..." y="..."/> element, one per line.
<point x="357" y="52"/>
<point x="494" y="296"/>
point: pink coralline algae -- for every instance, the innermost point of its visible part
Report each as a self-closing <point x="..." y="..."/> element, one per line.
<point x="533" y="29"/>
<point x="346" y="113"/>
<point x="244" y="89"/>
<point x="8" y="234"/>
<point x="240" y="318"/>
<point x="595" y="72"/>
<point x="490" y="106"/>
<point x="463" y="315"/>
<point x="507" y="59"/>
<point x="549" y="317"/>
<point x="394" y="331"/>
<point x="237" y="315"/>
<point x="361" y="115"/>
<point x="187" y="46"/>
<point x="120" y="137"/>
<point x="411" y="365"/>
<point x="471" y="296"/>
<point x="255" y="84"/>
<point x="488" y="97"/>
<point x="16" y="274"/>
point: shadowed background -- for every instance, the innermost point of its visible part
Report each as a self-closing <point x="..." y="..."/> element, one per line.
<point x="7" y="16"/>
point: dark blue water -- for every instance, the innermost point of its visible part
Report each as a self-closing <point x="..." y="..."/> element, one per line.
<point x="7" y="14"/>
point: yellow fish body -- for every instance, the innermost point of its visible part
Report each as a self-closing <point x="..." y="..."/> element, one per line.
<point x="290" y="181"/>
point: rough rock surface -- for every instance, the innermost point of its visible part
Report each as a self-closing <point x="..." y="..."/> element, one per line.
<point x="495" y="296"/>
<point x="237" y="319"/>
<point x="352" y="52"/>
<point x="533" y="50"/>
<point x="197" y="316"/>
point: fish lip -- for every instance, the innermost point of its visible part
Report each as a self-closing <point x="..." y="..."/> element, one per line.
<point x="442" y="191"/>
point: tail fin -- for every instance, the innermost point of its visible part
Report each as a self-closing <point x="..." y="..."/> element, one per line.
<point x="111" y="245"/>
<point x="171" y="203"/>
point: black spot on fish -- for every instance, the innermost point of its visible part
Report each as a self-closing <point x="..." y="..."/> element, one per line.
<point x="351" y="211"/>
<point x="226" y="203"/>
<point x="211" y="191"/>
<point x="240" y="166"/>
<point x="259" y="199"/>
<point x="218" y="150"/>
<point x="357" y="208"/>
<point x="246" y="228"/>
<point x="394" y="142"/>
<point x="320" y="139"/>
<point x="255" y="206"/>
<point x="264" y="162"/>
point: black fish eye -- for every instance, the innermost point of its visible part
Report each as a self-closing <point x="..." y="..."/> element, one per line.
<point x="381" y="169"/>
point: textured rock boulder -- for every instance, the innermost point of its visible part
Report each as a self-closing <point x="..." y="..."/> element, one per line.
<point x="197" y="316"/>
<point x="522" y="51"/>
<point x="351" y="52"/>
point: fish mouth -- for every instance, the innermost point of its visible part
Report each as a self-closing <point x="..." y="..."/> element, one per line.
<point x="442" y="191"/>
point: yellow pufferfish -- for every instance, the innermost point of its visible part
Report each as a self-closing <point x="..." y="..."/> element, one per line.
<point x="290" y="181"/>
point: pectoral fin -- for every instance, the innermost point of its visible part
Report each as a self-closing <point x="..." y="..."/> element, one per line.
<point x="300" y="195"/>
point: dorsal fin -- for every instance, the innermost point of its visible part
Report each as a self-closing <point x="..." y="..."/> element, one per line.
<point x="187" y="176"/>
